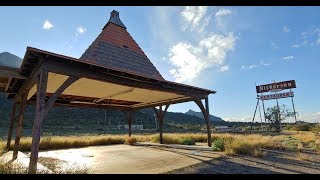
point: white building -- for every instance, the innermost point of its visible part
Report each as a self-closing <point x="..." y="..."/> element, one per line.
<point x="223" y="128"/>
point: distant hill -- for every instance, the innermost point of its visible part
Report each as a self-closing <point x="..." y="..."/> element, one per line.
<point x="10" y="60"/>
<point x="200" y="115"/>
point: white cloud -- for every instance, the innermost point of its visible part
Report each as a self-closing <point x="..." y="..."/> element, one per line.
<point x="296" y="45"/>
<point x="189" y="60"/>
<point x="238" y="119"/>
<point x="47" y="25"/>
<point x="288" y="58"/>
<point x="223" y="12"/>
<point x="252" y="66"/>
<point x="286" y="29"/>
<point x="309" y="117"/>
<point x="195" y="18"/>
<point x="224" y="68"/>
<point x="81" y="29"/>
<point x="220" y="14"/>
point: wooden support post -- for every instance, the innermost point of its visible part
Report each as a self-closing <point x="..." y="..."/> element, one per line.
<point x="205" y="112"/>
<point x="129" y="115"/>
<point x="12" y="119"/>
<point x="160" y="116"/>
<point x="19" y="127"/>
<point x="40" y="109"/>
<point x="58" y="92"/>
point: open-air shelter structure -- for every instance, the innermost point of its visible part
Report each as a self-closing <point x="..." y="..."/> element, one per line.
<point x="113" y="73"/>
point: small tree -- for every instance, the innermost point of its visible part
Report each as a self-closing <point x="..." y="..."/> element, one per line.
<point x="275" y="116"/>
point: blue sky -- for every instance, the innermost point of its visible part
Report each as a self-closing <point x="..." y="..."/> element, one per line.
<point x="227" y="49"/>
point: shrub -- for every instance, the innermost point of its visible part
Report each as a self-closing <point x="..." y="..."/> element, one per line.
<point x="130" y="140"/>
<point x="238" y="147"/>
<point x="218" y="144"/>
<point x="258" y="152"/>
<point x="291" y="143"/>
<point x="302" y="127"/>
<point x="187" y="141"/>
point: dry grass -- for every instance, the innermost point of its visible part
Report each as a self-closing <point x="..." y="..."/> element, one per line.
<point x="258" y="152"/>
<point x="130" y="140"/>
<point x="234" y="143"/>
<point x="303" y="157"/>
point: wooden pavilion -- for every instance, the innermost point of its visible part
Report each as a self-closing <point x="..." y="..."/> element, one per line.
<point x="113" y="73"/>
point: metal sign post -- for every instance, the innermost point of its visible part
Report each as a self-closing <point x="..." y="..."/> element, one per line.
<point x="294" y="110"/>
<point x="275" y="87"/>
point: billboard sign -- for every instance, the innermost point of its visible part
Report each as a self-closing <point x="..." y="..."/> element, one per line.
<point x="276" y="96"/>
<point x="276" y="86"/>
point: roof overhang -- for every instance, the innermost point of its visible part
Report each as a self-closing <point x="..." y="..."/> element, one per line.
<point x="7" y="74"/>
<point x="98" y="86"/>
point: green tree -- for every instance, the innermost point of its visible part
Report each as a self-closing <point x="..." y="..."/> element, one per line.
<point x="275" y="116"/>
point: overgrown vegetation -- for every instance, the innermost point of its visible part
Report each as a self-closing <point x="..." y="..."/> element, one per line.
<point x="187" y="141"/>
<point x="276" y="114"/>
<point x="304" y="127"/>
<point x="218" y="144"/>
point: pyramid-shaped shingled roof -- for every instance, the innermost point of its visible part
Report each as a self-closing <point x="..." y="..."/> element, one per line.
<point x="115" y="48"/>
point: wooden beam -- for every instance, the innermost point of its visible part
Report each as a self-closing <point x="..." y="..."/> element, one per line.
<point x="205" y="112"/>
<point x="160" y="117"/>
<point x="31" y="81"/>
<point x="12" y="73"/>
<point x="85" y="105"/>
<point x="19" y="127"/>
<point x="129" y="115"/>
<point x="162" y="103"/>
<point x="36" y="132"/>
<point x="27" y="85"/>
<point x="8" y="84"/>
<point x="208" y="122"/>
<point x="12" y="118"/>
<point x="165" y="110"/>
<point x="58" y="92"/>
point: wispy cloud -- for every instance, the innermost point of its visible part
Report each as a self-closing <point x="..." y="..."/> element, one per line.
<point x="47" y="25"/>
<point x="189" y="60"/>
<point x="288" y="58"/>
<point x="220" y="14"/>
<point x="224" y="68"/>
<point x="81" y="29"/>
<point x="308" y="38"/>
<point x="252" y="66"/>
<point x="286" y="29"/>
<point x="195" y="18"/>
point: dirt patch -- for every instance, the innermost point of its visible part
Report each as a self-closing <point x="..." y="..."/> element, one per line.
<point x="274" y="162"/>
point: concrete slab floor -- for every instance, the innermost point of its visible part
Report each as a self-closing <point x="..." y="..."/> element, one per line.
<point x="126" y="159"/>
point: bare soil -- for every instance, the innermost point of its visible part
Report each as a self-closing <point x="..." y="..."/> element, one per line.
<point x="274" y="162"/>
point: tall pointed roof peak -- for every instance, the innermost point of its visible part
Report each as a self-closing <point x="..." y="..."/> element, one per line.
<point x="115" y="48"/>
<point x="115" y="19"/>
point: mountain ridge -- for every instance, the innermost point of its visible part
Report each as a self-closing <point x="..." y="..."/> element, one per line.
<point x="200" y="115"/>
<point x="10" y="60"/>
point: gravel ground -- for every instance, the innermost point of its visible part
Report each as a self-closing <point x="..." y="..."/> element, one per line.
<point x="274" y="162"/>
